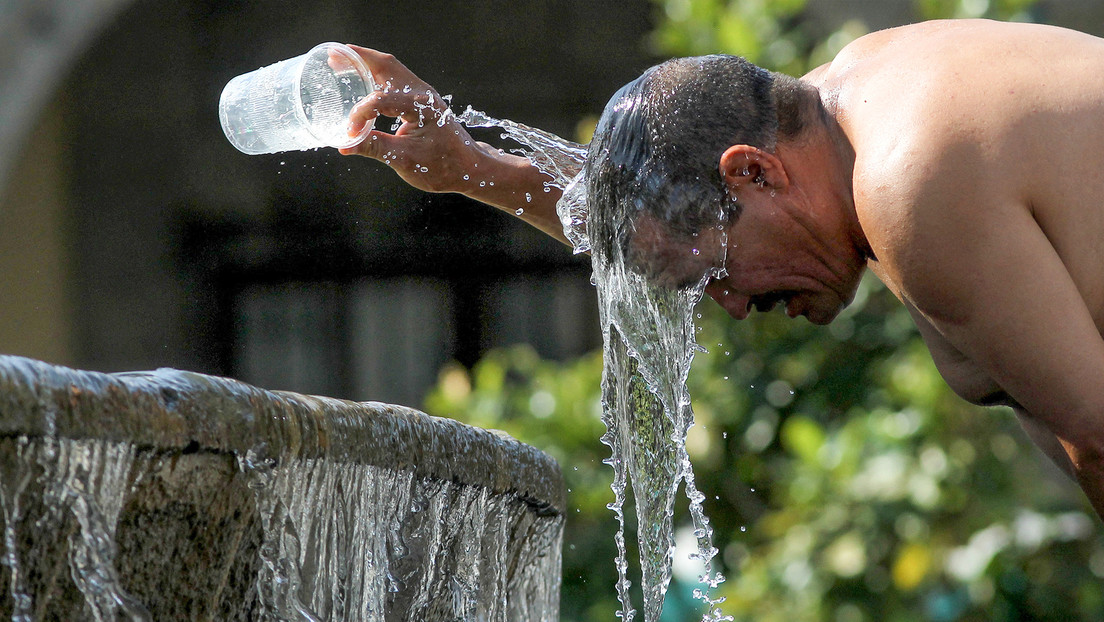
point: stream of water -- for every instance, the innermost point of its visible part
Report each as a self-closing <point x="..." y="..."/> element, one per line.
<point x="336" y="540"/>
<point x="648" y="335"/>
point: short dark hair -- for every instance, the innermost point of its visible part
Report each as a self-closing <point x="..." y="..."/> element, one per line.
<point x="658" y="144"/>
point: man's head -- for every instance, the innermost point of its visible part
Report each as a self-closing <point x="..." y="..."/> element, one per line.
<point x="658" y="144"/>
<point x="677" y="154"/>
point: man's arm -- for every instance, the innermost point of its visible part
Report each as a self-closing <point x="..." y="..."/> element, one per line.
<point x="969" y="255"/>
<point x="971" y="383"/>
<point x="432" y="151"/>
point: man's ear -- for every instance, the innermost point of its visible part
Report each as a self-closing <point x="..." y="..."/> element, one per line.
<point x="744" y="167"/>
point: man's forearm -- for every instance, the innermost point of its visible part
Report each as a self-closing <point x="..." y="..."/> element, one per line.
<point x="511" y="183"/>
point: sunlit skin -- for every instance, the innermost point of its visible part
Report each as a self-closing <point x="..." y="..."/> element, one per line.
<point x="792" y="244"/>
<point x="959" y="161"/>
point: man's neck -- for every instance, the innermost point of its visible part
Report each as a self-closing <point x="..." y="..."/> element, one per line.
<point x="826" y="161"/>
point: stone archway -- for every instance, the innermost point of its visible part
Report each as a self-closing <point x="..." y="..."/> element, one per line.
<point x="39" y="42"/>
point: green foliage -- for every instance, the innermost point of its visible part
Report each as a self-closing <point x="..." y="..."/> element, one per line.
<point x="844" y="480"/>
<point x="850" y="483"/>
<point x="754" y="29"/>
<point x="1013" y="10"/>
<point x="769" y="33"/>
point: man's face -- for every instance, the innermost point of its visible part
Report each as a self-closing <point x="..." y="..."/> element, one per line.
<point x="762" y="267"/>
<point x="674" y="260"/>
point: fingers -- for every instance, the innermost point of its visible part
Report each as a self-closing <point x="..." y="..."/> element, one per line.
<point x="416" y="109"/>
<point x="399" y="93"/>
<point x="387" y="70"/>
<point x="339" y="61"/>
<point x="378" y="146"/>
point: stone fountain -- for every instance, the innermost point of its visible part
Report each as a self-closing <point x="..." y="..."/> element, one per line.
<point x="172" y="495"/>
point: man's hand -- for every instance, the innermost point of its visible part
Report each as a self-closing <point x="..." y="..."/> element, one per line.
<point x="430" y="150"/>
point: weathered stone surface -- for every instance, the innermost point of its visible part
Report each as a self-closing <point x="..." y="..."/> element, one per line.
<point x="171" y="409"/>
<point x="191" y="497"/>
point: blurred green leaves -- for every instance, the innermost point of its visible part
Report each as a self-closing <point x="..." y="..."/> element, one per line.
<point x="1011" y="10"/>
<point x="768" y="33"/>
<point x="844" y="480"/>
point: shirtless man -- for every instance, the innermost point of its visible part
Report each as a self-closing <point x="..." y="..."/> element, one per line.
<point x="960" y="161"/>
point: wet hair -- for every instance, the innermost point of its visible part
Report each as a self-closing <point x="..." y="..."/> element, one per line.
<point x="658" y="144"/>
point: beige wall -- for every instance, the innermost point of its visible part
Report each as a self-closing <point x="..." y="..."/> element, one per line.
<point x="35" y="311"/>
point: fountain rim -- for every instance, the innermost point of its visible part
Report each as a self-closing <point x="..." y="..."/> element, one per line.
<point x="186" y="411"/>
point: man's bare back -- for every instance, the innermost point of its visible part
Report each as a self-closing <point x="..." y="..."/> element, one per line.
<point x="977" y="181"/>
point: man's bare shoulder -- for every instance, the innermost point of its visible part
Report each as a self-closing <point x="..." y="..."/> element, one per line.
<point x="950" y="77"/>
<point x="909" y="209"/>
<point x="941" y="111"/>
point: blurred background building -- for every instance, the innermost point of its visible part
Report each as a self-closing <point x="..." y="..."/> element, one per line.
<point x="133" y="236"/>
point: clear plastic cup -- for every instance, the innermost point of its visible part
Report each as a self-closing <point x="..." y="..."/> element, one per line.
<point x="297" y="104"/>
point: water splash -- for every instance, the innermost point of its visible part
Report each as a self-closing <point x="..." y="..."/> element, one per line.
<point x="646" y="407"/>
<point x="649" y="344"/>
<point x="79" y="487"/>
<point x="562" y="160"/>
<point x="425" y="548"/>
<point x="13" y="484"/>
